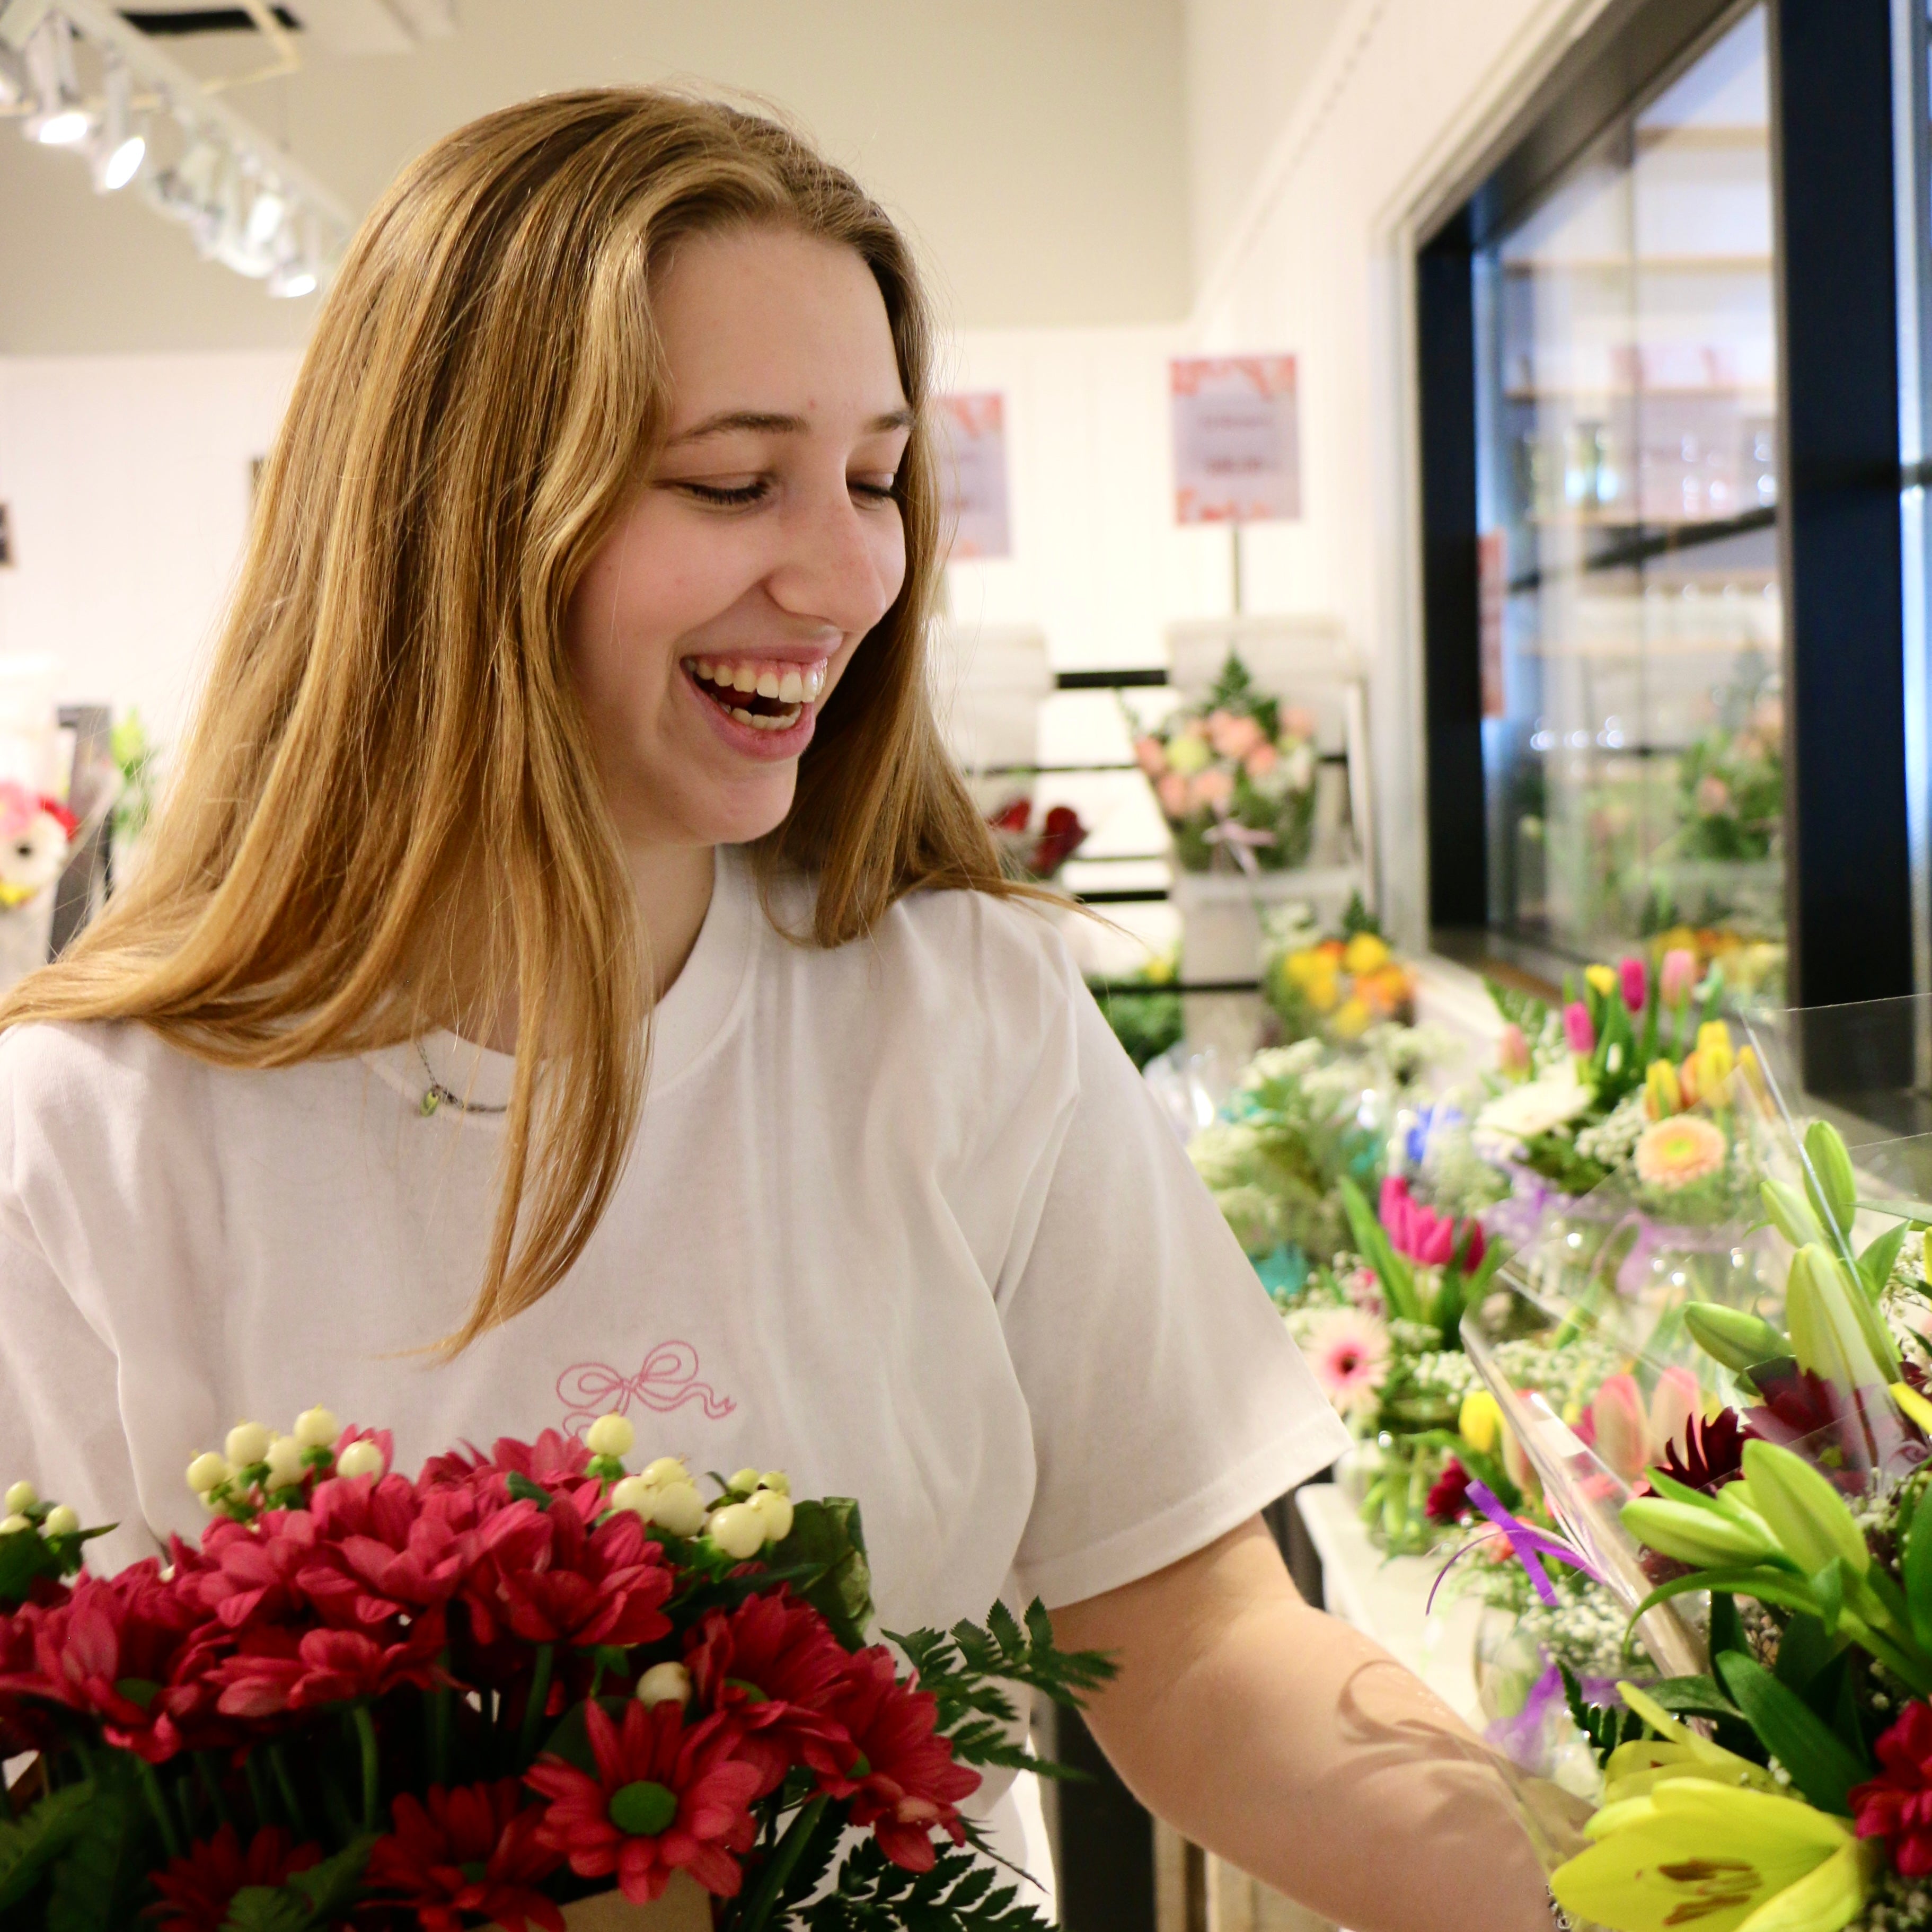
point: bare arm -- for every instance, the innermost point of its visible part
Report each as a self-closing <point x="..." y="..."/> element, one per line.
<point x="1294" y="1747"/>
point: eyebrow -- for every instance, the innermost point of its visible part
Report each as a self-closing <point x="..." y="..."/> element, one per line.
<point x="764" y="423"/>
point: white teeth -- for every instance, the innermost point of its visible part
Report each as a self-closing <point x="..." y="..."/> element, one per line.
<point x="768" y="684"/>
<point x="791" y="688"/>
<point x="743" y="716"/>
<point x="815" y="682"/>
<point x="783" y="722"/>
<point x="745" y="678"/>
<point x="704" y="669"/>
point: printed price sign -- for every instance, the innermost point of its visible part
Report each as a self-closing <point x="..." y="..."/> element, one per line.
<point x="1236" y="443"/>
<point x="972" y="475"/>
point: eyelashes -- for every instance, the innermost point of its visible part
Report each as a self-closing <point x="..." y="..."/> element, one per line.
<point x="742" y="495"/>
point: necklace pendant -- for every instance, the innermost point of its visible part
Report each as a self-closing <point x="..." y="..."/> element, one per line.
<point x="431" y="1100"/>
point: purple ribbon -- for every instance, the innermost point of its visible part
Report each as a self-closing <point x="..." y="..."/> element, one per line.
<point x="1521" y="1737"/>
<point x="1241" y="840"/>
<point x="1529" y="1545"/>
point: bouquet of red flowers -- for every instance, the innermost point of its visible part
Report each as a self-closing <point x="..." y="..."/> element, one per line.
<point x="522" y="1680"/>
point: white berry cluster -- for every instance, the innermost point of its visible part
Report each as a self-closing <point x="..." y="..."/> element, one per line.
<point x="755" y="1510"/>
<point x="26" y="1513"/>
<point x="257" y="1468"/>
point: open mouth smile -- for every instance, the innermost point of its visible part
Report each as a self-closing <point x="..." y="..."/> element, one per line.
<point x="767" y="693"/>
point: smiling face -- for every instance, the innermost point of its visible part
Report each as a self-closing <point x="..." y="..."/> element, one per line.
<point x="763" y="544"/>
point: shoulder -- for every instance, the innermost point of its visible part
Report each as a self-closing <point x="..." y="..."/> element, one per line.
<point x="51" y="1068"/>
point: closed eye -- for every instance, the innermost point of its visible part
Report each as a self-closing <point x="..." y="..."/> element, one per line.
<point x="737" y="493"/>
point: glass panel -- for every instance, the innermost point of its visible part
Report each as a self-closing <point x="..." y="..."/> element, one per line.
<point x="1633" y="732"/>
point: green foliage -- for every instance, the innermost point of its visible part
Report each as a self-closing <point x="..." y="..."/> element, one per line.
<point x="1916" y="1566"/>
<point x="102" y="1878"/>
<point x="1371" y="1242"/>
<point x="29" y="1846"/>
<point x="828" y="1540"/>
<point x="310" y="1899"/>
<point x="958" y="1894"/>
<point x="965" y="1668"/>
<point x="1876" y="1264"/>
<point x="1822" y="1765"/>
<point x="1145" y="1024"/>
<point x="1520" y="1008"/>
<point x="1358" y="918"/>
<point x="26" y="1554"/>
<point x="1607" y="1726"/>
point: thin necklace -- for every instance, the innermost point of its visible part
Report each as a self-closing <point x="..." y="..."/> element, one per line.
<point x="437" y="1095"/>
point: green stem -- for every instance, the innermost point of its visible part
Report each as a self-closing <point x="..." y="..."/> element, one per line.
<point x="210" y="1785"/>
<point x="258" y="1788"/>
<point x="365" y="1731"/>
<point x="442" y="1700"/>
<point x="285" y="1784"/>
<point x="533" y="1709"/>
<point x="157" y="1803"/>
<point x="769" y="1890"/>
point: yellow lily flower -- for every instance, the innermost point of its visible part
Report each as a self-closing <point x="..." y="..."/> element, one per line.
<point x="1718" y="1858"/>
<point x="1635" y="1769"/>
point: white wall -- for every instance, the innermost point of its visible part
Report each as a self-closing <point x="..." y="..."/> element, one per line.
<point x="127" y="482"/>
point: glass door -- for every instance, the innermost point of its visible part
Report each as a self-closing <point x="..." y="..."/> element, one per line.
<point x="1633" y="729"/>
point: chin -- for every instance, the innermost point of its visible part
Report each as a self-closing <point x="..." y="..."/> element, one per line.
<point x="740" y="815"/>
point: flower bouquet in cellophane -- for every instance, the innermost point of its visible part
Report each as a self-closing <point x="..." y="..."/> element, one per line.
<point x="524" y="1688"/>
<point x="1778" y="1774"/>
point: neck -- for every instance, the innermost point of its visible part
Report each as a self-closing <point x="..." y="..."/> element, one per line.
<point x="673" y="883"/>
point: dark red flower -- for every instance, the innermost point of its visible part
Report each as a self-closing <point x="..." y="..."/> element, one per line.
<point x="905" y="1783"/>
<point x="197" y="1890"/>
<point x="668" y="1797"/>
<point x="386" y="1551"/>
<point x="275" y="1670"/>
<point x="1449" y="1494"/>
<point x="551" y="1579"/>
<point x="774" y="1664"/>
<point x="1897" y="1805"/>
<point x="1713" y="1454"/>
<point x="473" y="1849"/>
<point x="245" y="1572"/>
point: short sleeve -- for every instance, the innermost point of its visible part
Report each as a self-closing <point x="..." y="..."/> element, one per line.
<point x="1169" y="1403"/>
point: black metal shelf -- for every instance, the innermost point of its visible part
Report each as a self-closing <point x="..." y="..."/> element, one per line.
<point x="1647" y="541"/>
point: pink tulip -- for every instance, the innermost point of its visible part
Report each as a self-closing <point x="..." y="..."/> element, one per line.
<point x="1234" y="737"/>
<point x="1420" y="1232"/>
<point x="1577" y="1029"/>
<point x="1173" y="790"/>
<point x="1635" y="983"/>
<point x="1213" y="787"/>
<point x="1622" y="1428"/>
<point x="1512" y="1049"/>
<point x="1261" y="761"/>
<point x="1151" y="755"/>
<point x="1678" y="976"/>
<point x="1676" y="1399"/>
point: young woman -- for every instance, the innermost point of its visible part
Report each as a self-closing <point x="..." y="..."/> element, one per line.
<point x="570" y="977"/>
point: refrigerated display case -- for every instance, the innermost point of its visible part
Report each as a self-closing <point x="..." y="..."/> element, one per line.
<point x="1628" y="504"/>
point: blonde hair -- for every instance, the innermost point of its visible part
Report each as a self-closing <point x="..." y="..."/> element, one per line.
<point x="387" y="808"/>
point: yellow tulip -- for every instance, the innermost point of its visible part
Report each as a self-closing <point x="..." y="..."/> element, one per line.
<point x="1662" y="1094"/>
<point x="1719" y="1857"/>
<point x="1479" y="1421"/>
<point x="1351" y="1019"/>
<point x="1716" y="1061"/>
<point x="1365" y="953"/>
<point x="1603" y="979"/>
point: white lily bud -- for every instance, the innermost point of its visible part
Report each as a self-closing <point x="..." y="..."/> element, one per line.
<point x="610" y="1435"/>
<point x="13" y="1525"/>
<point x="316" y="1429"/>
<point x="737" y="1529"/>
<point x="61" y="1521"/>
<point x="361" y="1458"/>
<point x="774" y="1509"/>
<point x="206" y="1470"/>
<point x="679" y="1508"/>
<point x="665" y="1684"/>
<point x="21" y="1498"/>
<point x="635" y="1494"/>
<point x="247" y="1442"/>
<point x="777" y="1479"/>
<point x="285" y="1466"/>
<point x="745" y="1481"/>
<point x="666" y="1469"/>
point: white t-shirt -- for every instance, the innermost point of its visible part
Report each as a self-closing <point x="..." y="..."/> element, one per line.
<point x="900" y="1219"/>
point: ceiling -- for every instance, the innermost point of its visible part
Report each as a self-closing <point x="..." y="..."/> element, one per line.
<point x="1036" y="149"/>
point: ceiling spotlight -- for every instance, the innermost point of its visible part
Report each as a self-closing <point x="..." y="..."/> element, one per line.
<point x="122" y="148"/>
<point x="59" y="121"/>
<point x="265" y="213"/>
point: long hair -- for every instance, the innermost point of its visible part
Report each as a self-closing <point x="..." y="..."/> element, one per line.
<point x="387" y="811"/>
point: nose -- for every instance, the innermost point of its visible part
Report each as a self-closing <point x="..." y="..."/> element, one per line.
<point x="839" y="563"/>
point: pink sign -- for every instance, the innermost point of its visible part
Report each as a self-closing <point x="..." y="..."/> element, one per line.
<point x="972" y="475"/>
<point x="1237" y="446"/>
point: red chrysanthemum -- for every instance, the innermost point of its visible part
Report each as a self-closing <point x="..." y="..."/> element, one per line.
<point x="550" y="1579"/>
<point x="1449" y="1495"/>
<point x="473" y="1849"/>
<point x="774" y="1664"/>
<point x="667" y="1797"/>
<point x="197" y="1890"/>
<point x="906" y="1782"/>
<point x="245" y="1572"/>
<point x="1897" y="1805"/>
<point x="276" y="1670"/>
<point x="387" y="1551"/>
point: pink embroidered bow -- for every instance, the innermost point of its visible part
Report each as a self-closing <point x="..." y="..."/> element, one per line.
<point x="667" y="1381"/>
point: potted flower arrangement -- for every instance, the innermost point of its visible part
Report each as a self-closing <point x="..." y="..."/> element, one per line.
<point x="523" y="1687"/>
<point x="1235" y="777"/>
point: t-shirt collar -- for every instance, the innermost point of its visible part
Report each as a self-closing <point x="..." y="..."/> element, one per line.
<point x="687" y="1023"/>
